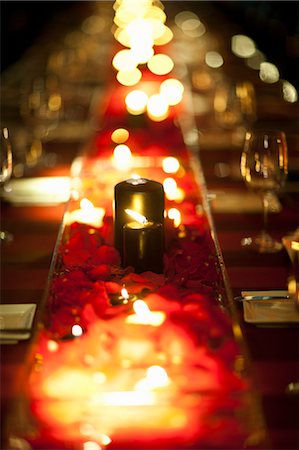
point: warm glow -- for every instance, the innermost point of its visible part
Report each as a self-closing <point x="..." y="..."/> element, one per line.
<point x="255" y="61"/>
<point x="183" y="16"/>
<point x="157" y="107"/>
<point x="122" y="36"/>
<point x="52" y="346"/>
<point x="129" y="77"/>
<point x="170" y="164"/>
<point x="64" y="383"/>
<point x="213" y="59"/>
<point x="86" y="205"/>
<point x="124" y="293"/>
<point x="99" y="378"/>
<point x="77" y="330"/>
<point x="156" y="13"/>
<point x="170" y="188"/>
<point x="269" y="73"/>
<point x="120" y="135"/>
<point x="87" y="214"/>
<point x="156" y="377"/>
<point x="142" y="53"/>
<point x="140" y="31"/>
<point x="165" y="38"/>
<point x="289" y="91"/>
<point x="122" y="157"/>
<point x="172" y="90"/>
<point x="124" y="60"/>
<point x="242" y="46"/>
<point x="190" y="24"/>
<point x="76" y="166"/>
<point x="136" y="102"/>
<point x="193" y="28"/>
<point x="136" y="216"/>
<point x="175" y="215"/>
<point x="54" y="102"/>
<point x="160" y="64"/>
<point x="144" y="316"/>
<point x="128" y="398"/>
<point x="135" y="176"/>
<point x="91" y="445"/>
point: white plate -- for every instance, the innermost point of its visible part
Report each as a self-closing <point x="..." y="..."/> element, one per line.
<point x="270" y="311"/>
<point x="38" y="191"/>
<point x="16" y="316"/>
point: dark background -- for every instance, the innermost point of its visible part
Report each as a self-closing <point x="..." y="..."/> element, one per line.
<point x="274" y="25"/>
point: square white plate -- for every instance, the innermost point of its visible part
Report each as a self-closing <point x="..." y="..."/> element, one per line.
<point x="270" y="311"/>
<point x="16" y="316"/>
<point x="38" y="191"/>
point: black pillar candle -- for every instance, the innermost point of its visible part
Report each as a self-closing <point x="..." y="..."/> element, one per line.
<point x="143" y="246"/>
<point x="145" y="197"/>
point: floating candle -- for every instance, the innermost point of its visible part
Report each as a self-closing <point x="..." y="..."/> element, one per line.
<point x="122" y="298"/>
<point x="87" y="214"/>
<point x="144" y="316"/>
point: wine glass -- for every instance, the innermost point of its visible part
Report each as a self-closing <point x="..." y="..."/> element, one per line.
<point x="5" y="171"/>
<point x="264" y="168"/>
<point x="41" y="104"/>
<point x="234" y="104"/>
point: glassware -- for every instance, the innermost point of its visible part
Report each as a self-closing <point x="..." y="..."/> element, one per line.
<point x="291" y="244"/>
<point x="5" y="171"/>
<point x="41" y="104"/>
<point x="264" y="168"/>
<point x="234" y="104"/>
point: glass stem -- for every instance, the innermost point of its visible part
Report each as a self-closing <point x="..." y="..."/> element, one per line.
<point x="265" y="213"/>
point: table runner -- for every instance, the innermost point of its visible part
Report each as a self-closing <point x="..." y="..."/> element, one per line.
<point x="99" y="375"/>
<point x="174" y="375"/>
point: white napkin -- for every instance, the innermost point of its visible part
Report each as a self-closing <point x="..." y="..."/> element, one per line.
<point x="18" y="317"/>
<point x="38" y="191"/>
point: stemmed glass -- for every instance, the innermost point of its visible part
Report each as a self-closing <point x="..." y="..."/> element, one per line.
<point x="264" y="168"/>
<point x="5" y="171"/>
<point x="234" y="104"/>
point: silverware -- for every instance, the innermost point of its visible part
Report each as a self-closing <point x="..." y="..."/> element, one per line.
<point x="262" y="297"/>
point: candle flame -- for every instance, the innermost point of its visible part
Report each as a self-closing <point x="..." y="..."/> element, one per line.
<point x="136" y="216"/>
<point x="144" y="316"/>
<point x="77" y="330"/>
<point x="156" y="377"/>
<point x="124" y="293"/>
<point x="86" y="205"/>
<point x="141" y="308"/>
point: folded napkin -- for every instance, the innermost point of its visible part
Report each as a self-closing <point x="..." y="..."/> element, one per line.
<point x="38" y="191"/>
<point x="16" y="322"/>
<point x="269" y="307"/>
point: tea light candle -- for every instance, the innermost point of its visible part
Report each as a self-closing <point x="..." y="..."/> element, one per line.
<point x="87" y="214"/>
<point x="144" y="196"/>
<point x="122" y="298"/>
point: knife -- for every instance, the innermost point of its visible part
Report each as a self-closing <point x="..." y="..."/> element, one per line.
<point x="263" y="295"/>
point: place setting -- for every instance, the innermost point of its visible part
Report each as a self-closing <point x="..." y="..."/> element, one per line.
<point x="16" y="322"/>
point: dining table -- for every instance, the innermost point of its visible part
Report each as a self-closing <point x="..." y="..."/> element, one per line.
<point x="253" y="373"/>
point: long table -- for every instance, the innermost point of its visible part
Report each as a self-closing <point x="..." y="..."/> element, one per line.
<point x="273" y="351"/>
